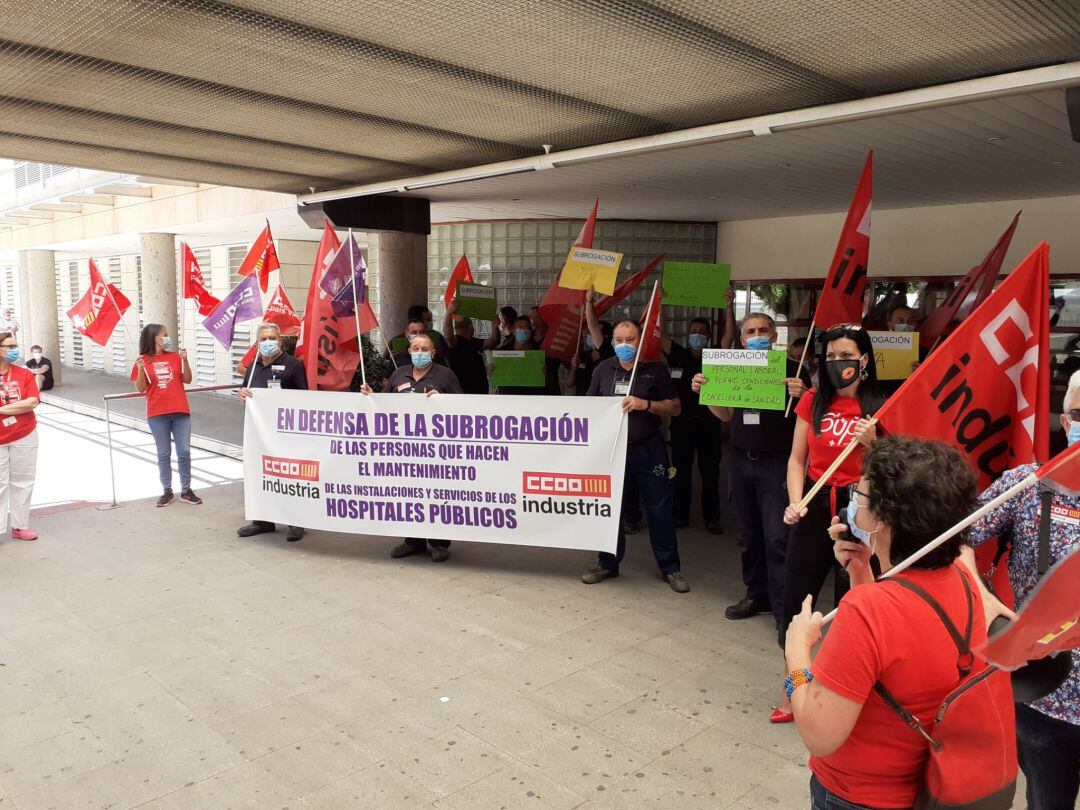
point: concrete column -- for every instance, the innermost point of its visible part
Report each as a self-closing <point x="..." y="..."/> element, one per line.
<point x="401" y="259"/>
<point x="158" y="303"/>
<point x="39" y="316"/>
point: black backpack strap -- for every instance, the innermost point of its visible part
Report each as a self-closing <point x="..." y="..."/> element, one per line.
<point x="1046" y="496"/>
<point x="962" y="642"/>
<point x="910" y="720"/>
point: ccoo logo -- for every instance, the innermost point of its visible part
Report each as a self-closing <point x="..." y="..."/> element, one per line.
<point x="298" y="469"/>
<point x="553" y="483"/>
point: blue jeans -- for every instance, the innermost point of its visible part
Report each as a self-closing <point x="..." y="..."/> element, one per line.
<point x="1049" y="754"/>
<point x="823" y="799"/>
<point x="179" y="426"/>
<point x="759" y="495"/>
<point x="647" y="473"/>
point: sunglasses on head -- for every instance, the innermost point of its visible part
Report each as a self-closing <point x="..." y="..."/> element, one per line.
<point x="847" y="327"/>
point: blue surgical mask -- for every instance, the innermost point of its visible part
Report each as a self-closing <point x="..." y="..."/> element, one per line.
<point x="166" y="342"/>
<point x="1073" y="437"/>
<point x="860" y="534"/>
<point x="759" y="344"/>
<point x="12" y="355"/>
<point x="698" y="341"/>
<point x="522" y="335"/>
<point x="625" y="351"/>
<point x="903" y="327"/>
<point x="269" y="348"/>
<point x="421" y="359"/>
<point x="590" y="344"/>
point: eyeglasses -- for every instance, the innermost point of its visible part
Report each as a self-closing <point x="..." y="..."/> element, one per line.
<point x="853" y="490"/>
<point x="1074" y="414"/>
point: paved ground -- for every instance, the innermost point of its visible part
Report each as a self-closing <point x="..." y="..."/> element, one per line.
<point x="150" y="658"/>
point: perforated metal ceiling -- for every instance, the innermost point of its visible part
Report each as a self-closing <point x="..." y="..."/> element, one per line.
<point x="324" y="93"/>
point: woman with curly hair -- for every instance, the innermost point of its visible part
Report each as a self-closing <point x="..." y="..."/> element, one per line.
<point x="862" y="754"/>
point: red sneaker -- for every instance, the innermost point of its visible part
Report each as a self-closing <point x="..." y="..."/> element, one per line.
<point x="23" y="534"/>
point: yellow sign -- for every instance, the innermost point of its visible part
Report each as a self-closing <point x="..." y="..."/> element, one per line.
<point x="585" y="266"/>
<point x="895" y="353"/>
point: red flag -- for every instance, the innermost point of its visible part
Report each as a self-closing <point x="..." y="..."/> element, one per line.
<point x="986" y="389"/>
<point x="462" y="272"/>
<point x="1062" y="472"/>
<point x="561" y="310"/>
<point x="623" y="290"/>
<point x="249" y="357"/>
<point x="329" y="356"/>
<point x="280" y="311"/>
<point x="842" y="298"/>
<point x="971" y="291"/>
<point x="261" y="258"/>
<point x="99" y="310"/>
<point x="1047" y="623"/>
<point x="194" y="284"/>
<point x="651" y="332"/>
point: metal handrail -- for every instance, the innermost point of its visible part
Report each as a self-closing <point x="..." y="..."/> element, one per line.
<point x="133" y="395"/>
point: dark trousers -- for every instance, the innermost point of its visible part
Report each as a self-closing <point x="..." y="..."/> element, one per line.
<point x="810" y="553"/>
<point x="759" y="495"/>
<point x="1049" y="754"/>
<point x="266" y="524"/>
<point x="420" y="544"/>
<point x="698" y="436"/>
<point x="646" y="471"/>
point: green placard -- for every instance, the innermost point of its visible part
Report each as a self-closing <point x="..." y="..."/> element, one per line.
<point x="476" y="301"/>
<point x="517" y="368"/>
<point x="744" y="378"/>
<point x="691" y="284"/>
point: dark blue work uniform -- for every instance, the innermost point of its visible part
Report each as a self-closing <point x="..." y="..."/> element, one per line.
<point x="646" y="457"/>
<point x="693" y="432"/>
<point x="760" y="446"/>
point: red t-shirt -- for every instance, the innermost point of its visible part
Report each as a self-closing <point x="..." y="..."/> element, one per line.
<point x="885" y="632"/>
<point x="165" y="390"/>
<point x="18" y="384"/>
<point x="836" y="433"/>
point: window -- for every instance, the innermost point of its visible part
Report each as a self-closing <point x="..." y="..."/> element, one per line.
<point x="27" y="174"/>
<point x="119" y="348"/>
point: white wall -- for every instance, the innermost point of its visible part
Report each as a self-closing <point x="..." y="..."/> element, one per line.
<point x="931" y="241"/>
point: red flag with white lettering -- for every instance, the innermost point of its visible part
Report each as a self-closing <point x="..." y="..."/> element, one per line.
<point x="462" y="272"/>
<point x="1062" y="472"/>
<point x="328" y="348"/>
<point x="261" y="258"/>
<point x="650" y="329"/>
<point x="280" y="311"/>
<point x="101" y="307"/>
<point x="194" y="283"/>
<point x="842" y="297"/>
<point x="562" y="308"/>
<point x="986" y="389"/>
<point x="971" y="291"/>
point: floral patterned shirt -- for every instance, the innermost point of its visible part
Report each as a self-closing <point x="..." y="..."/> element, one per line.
<point x="1020" y="515"/>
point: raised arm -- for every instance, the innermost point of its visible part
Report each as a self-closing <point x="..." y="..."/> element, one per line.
<point x="592" y="322"/>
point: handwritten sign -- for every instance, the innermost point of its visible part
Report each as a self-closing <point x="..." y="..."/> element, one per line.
<point x="895" y="354"/>
<point x="475" y="301"/>
<point x="591" y="266"/>
<point x="517" y="369"/>
<point x="744" y="378"/>
<point x="693" y="284"/>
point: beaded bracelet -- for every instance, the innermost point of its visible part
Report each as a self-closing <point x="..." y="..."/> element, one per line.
<point x="795" y="679"/>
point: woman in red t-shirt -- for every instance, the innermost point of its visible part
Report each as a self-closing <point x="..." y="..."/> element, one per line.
<point x="829" y="417"/>
<point x="862" y="753"/>
<point x="18" y="440"/>
<point x="161" y="375"/>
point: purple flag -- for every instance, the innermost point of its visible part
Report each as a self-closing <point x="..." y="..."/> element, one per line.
<point x="336" y="277"/>
<point x="243" y="304"/>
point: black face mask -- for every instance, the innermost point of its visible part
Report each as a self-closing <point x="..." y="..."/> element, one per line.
<point x="843" y="373"/>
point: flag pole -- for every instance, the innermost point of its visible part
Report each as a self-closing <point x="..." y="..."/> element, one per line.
<point x="944" y="537"/>
<point x="840" y="459"/>
<point x="356" y="309"/>
<point x="802" y="361"/>
<point x="108" y="292"/>
<point x="633" y="371"/>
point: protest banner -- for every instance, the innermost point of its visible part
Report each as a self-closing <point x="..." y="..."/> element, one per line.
<point x="586" y="266"/>
<point x="476" y="301"/>
<point x="453" y="467"/>
<point x="744" y="378"/>
<point x="895" y="354"/>
<point x="695" y="284"/>
<point x="517" y="368"/>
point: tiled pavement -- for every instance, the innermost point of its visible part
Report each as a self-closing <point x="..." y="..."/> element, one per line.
<point x="150" y="658"/>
